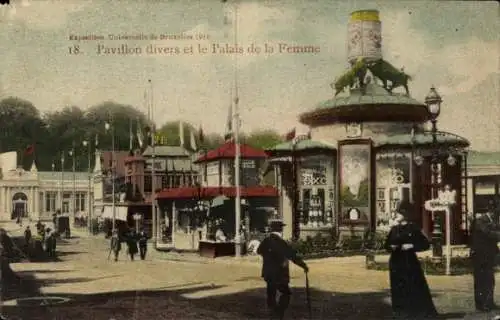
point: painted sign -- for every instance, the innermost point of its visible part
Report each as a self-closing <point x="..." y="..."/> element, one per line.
<point x="364" y="36"/>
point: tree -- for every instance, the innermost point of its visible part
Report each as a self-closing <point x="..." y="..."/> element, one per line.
<point x="171" y="131"/>
<point x="21" y="125"/>
<point x="121" y="117"/>
<point x="263" y="139"/>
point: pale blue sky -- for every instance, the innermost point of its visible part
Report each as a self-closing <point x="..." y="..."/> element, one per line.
<point x="453" y="45"/>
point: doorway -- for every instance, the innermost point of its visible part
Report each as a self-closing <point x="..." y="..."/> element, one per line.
<point x="19" y="205"/>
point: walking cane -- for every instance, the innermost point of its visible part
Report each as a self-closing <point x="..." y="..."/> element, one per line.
<point x="109" y="254"/>
<point x="308" y="297"/>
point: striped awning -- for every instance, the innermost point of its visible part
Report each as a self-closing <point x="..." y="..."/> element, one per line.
<point x="120" y="213"/>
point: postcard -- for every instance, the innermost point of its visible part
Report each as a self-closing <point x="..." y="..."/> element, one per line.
<point x="245" y="159"/>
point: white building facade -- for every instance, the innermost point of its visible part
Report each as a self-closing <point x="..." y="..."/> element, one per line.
<point x="37" y="194"/>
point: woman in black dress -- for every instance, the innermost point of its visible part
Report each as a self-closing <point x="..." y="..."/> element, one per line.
<point x="132" y="244"/>
<point x="410" y="294"/>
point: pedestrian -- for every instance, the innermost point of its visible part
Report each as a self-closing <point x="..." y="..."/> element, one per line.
<point x="6" y="242"/>
<point x="116" y="244"/>
<point x="48" y="242"/>
<point x="275" y="269"/>
<point x="132" y="244"/>
<point x="410" y="294"/>
<point x="27" y="238"/>
<point x="483" y="253"/>
<point x="143" y="244"/>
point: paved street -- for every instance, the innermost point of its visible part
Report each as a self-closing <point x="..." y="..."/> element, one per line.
<point x="184" y="286"/>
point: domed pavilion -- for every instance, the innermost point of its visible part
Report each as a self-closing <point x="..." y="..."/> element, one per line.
<point x="367" y="150"/>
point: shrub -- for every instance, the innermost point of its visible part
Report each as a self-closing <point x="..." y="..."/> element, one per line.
<point x="459" y="266"/>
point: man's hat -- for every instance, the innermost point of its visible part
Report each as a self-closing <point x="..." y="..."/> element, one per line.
<point x="276" y="225"/>
<point x="405" y="208"/>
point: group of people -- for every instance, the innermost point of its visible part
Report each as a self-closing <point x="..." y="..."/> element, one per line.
<point x="46" y="236"/>
<point x="410" y="293"/>
<point x="136" y="243"/>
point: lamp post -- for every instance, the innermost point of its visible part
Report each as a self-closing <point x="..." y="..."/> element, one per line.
<point x="111" y="128"/>
<point x="73" y="195"/>
<point x="62" y="182"/>
<point x="86" y="143"/>
<point x="433" y="102"/>
<point x="295" y="186"/>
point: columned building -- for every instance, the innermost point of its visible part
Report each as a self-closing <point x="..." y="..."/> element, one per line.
<point x="37" y="195"/>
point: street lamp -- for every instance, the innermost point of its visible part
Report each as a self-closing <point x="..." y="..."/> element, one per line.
<point x="73" y="195"/>
<point x="62" y="182"/>
<point x="108" y="127"/>
<point x="433" y="102"/>
<point x="86" y="143"/>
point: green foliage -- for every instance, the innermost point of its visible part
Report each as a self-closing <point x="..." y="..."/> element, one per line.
<point x="263" y="139"/>
<point x="56" y="132"/>
<point x="459" y="266"/>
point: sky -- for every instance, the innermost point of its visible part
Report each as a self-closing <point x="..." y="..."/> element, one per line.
<point x="449" y="44"/>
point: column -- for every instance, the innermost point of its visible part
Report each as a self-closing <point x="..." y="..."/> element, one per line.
<point x="36" y="215"/>
<point x="42" y="208"/>
<point x="30" y="200"/>
<point x="8" y="200"/>
<point x="2" y="204"/>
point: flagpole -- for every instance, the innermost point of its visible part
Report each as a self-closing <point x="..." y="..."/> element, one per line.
<point x="153" y="164"/>
<point x="236" y="129"/>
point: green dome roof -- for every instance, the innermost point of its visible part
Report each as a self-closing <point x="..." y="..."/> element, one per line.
<point x="374" y="94"/>
<point x="420" y="138"/>
<point x="374" y="104"/>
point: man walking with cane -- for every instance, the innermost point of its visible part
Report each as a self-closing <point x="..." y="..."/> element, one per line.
<point x="275" y="269"/>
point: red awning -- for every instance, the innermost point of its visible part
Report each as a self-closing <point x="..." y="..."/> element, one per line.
<point x="210" y="192"/>
<point x="228" y="151"/>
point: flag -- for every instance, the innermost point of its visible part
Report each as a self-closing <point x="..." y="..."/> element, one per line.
<point x="181" y="132"/>
<point x="201" y="136"/>
<point x="227" y="14"/>
<point x="131" y="135"/>
<point x="229" y="121"/>
<point x="139" y="135"/>
<point x="192" y="141"/>
<point x="290" y="135"/>
<point x="30" y="149"/>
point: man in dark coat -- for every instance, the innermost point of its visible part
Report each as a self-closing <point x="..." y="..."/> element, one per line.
<point x="27" y="235"/>
<point x="484" y="249"/>
<point x="410" y="293"/>
<point x="143" y="244"/>
<point x="275" y="270"/>
<point x="116" y="244"/>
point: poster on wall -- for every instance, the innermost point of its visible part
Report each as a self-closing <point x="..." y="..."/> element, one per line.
<point x="355" y="182"/>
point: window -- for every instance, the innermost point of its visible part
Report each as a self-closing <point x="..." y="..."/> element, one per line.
<point x="177" y="181"/>
<point x="485" y="188"/>
<point x="50" y="201"/>
<point x="147" y="183"/>
<point x="80" y="201"/>
<point x="393" y="183"/>
<point x="314" y="212"/>
<point x="164" y="181"/>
